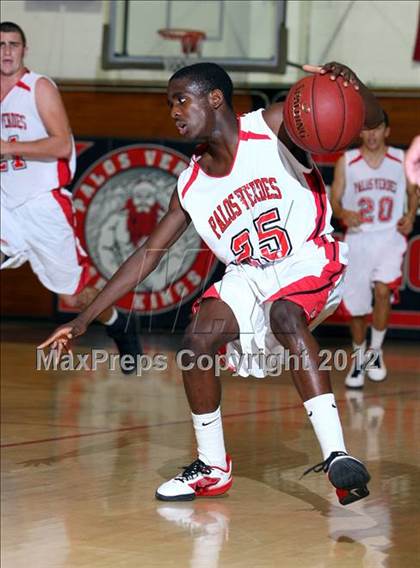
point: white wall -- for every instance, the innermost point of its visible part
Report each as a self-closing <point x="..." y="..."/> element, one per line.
<point x="376" y="38"/>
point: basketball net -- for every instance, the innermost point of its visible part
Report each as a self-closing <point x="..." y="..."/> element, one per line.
<point x="191" y="44"/>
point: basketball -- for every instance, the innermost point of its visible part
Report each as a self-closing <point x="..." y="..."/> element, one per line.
<point x="321" y="115"/>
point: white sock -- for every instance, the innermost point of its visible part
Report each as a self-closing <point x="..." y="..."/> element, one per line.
<point x="113" y="317"/>
<point x="322" y="412"/>
<point x="376" y="338"/>
<point x="361" y="346"/>
<point x="209" y="434"/>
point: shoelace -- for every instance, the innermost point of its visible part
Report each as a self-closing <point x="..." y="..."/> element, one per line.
<point x="324" y="466"/>
<point x="191" y="471"/>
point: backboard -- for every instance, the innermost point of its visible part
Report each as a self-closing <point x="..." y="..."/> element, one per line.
<point x="240" y="35"/>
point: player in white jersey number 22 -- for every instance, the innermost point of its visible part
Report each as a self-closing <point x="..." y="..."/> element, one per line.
<point x="369" y="195"/>
<point x="37" y="161"/>
<point x="259" y="203"/>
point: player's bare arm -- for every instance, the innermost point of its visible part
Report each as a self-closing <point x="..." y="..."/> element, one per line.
<point x="406" y="223"/>
<point x="412" y="162"/>
<point x="348" y="217"/>
<point x="58" y="144"/>
<point x="134" y="270"/>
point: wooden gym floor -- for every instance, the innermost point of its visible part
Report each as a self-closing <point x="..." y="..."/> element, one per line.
<point x="82" y="454"/>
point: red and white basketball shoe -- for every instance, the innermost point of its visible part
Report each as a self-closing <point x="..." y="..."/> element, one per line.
<point x="197" y="480"/>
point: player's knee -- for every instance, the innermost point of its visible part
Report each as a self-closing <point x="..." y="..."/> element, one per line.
<point x="71" y="301"/>
<point x="382" y="293"/>
<point x="287" y="320"/>
<point x="75" y="302"/>
<point x="201" y="341"/>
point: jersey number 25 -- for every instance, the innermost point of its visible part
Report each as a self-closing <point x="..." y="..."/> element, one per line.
<point x="273" y="240"/>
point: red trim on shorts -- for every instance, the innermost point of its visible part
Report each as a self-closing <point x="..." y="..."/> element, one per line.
<point x="391" y="157"/>
<point x="355" y="160"/>
<point x="209" y="293"/>
<point x="192" y="179"/>
<point x="311" y="292"/>
<point x="343" y="312"/>
<point x="316" y="185"/>
<point x="247" y="135"/>
<point x="65" y="203"/>
<point x="66" y="206"/>
<point x="394" y="286"/>
<point x="63" y="172"/>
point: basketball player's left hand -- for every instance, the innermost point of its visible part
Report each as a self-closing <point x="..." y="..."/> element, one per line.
<point x="405" y="225"/>
<point x="59" y="340"/>
<point x="335" y="70"/>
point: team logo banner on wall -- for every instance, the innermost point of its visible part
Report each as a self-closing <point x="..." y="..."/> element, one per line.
<point x="118" y="200"/>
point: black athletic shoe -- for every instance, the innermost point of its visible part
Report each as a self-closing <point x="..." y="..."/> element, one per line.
<point x="348" y="475"/>
<point x="123" y="331"/>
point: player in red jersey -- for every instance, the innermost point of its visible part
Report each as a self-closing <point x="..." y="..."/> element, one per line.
<point x="37" y="161"/>
<point x="284" y="270"/>
<point x="368" y="194"/>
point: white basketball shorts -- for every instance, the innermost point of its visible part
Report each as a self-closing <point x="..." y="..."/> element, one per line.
<point x="311" y="278"/>
<point x="41" y="231"/>
<point x="376" y="256"/>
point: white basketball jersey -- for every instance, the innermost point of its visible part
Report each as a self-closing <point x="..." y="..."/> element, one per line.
<point x="265" y="209"/>
<point x="22" y="178"/>
<point x="378" y="193"/>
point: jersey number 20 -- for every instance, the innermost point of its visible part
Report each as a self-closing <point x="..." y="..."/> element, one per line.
<point x="367" y="209"/>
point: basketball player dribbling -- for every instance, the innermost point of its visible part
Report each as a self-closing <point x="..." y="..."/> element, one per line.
<point x="368" y="195"/>
<point x="37" y="161"/>
<point x="258" y="202"/>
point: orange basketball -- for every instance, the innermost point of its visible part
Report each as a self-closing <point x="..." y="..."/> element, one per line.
<point x="321" y="115"/>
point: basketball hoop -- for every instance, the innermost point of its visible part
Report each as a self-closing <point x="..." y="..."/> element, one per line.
<point x="191" y="42"/>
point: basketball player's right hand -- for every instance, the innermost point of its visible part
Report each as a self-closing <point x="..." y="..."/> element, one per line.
<point x="60" y="339"/>
<point x="351" y="218"/>
<point x="335" y="70"/>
